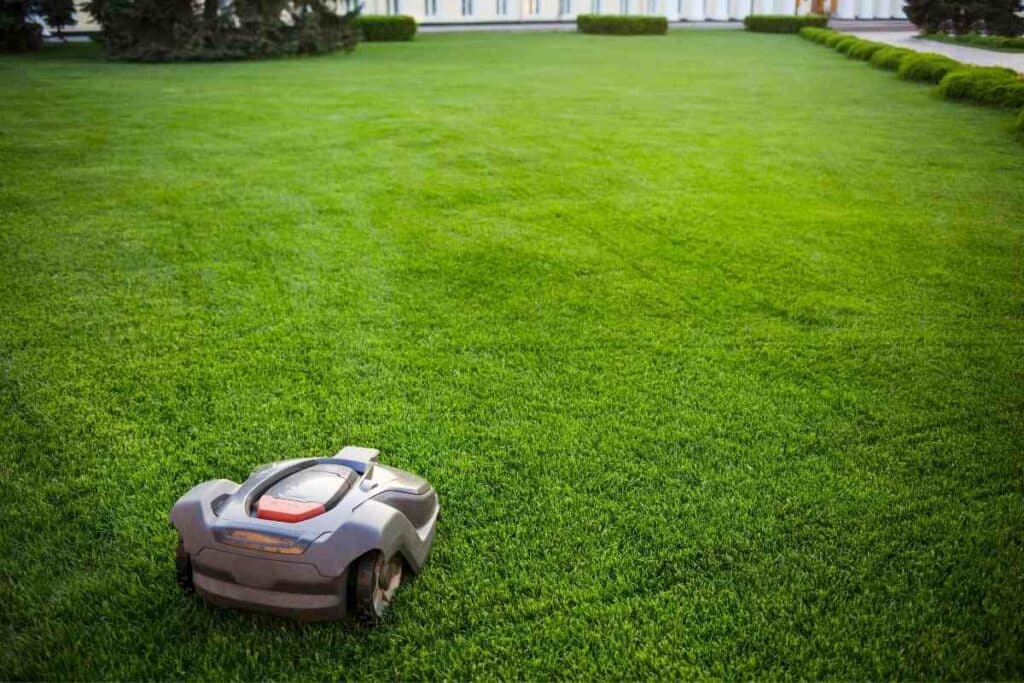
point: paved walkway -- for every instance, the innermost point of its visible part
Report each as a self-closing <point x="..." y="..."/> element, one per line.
<point x="967" y="55"/>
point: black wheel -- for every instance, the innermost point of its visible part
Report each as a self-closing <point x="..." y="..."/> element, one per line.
<point x="377" y="580"/>
<point x="183" y="568"/>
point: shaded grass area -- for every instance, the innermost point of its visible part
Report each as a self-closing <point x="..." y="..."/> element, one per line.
<point x="711" y="347"/>
<point x="996" y="43"/>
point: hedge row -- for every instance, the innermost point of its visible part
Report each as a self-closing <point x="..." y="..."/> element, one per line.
<point x="783" y="23"/>
<point x="378" y="28"/>
<point x="984" y="84"/>
<point x="926" y="66"/>
<point x="1020" y="123"/>
<point x="890" y="57"/>
<point x="990" y="85"/>
<point x="621" y="25"/>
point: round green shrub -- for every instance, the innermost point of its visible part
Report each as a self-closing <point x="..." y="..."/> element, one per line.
<point x="846" y="44"/>
<point x="927" y="67"/>
<point x="380" y="28"/>
<point x="865" y="49"/>
<point x="890" y="57"/>
<point x="830" y="41"/>
<point x="816" y="34"/>
<point x="992" y="85"/>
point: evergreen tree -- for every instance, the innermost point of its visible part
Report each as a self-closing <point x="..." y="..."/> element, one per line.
<point x="964" y="16"/>
<point x="20" y="28"/>
<point x="164" y="30"/>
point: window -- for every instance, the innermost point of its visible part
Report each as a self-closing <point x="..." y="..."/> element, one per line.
<point x="393" y="7"/>
<point x="467" y="8"/>
<point x="595" y="6"/>
<point x="533" y="7"/>
<point x="429" y="7"/>
<point x="565" y="6"/>
<point x="502" y="8"/>
<point x="652" y="6"/>
<point x="625" y="6"/>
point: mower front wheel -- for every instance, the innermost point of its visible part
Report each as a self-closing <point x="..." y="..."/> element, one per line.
<point x="376" y="581"/>
<point x="183" y="568"/>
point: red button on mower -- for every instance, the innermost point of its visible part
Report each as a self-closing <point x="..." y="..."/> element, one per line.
<point x="284" y="510"/>
<point x="305" y="494"/>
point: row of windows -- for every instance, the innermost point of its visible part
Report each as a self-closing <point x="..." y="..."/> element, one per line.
<point x="532" y="7"/>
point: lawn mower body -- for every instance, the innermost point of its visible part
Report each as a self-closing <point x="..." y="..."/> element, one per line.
<point x="300" y="538"/>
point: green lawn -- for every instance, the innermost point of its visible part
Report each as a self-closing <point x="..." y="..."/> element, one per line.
<point x="711" y="344"/>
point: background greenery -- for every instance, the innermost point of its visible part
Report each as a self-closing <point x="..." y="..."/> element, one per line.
<point x="710" y="344"/>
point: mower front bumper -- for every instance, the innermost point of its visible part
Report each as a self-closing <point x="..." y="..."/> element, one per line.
<point x="289" y="589"/>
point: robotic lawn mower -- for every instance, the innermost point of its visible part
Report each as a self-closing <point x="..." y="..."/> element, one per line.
<point x="313" y="538"/>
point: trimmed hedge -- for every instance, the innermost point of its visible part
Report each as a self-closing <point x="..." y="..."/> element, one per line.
<point x="926" y="66"/>
<point x="890" y="57"/>
<point x="985" y="85"/>
<point x="844" y="44"/>
<point x="830" y="41"/>
<point x="957" y="81"/>
<point x="818" y="35"/>
<point x="380" y="28"/>
<point x="865" y="50"/>
<point x="783" y="23"/>
<point x="621" y="25"/>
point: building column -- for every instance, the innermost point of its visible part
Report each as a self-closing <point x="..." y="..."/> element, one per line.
<point x="693" y="10"/>
<point x="881" y="9"/>
<point x="896" y="9"/>
<point x="865" y="9"/>
<point x="718" y="10"/>
<point x="846" y="9"/>
<point x="739" y="9"/>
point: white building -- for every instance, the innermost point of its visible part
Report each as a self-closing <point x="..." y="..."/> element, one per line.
<point x="513" y="11"/>
<point x="519" y="11"/>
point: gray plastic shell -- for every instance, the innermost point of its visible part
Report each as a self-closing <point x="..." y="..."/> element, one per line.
<point x="300" y="569"/>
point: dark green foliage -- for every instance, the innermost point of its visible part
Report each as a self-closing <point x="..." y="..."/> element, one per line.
<point x="988" y="42"/>
<point x="382" y="28"/>
<point x="1019" y="124"/>
<point x="834" y="38"/>
<point x="865" y="49"/>
<point x="889" y="57"/>
<point x="621" y="25"/>
<point x="58" y="13"/>
<point x="844" y="45"/>
<point x="927" y="67"/>
<point x="182" y="30"/>
<point x="963" y="16"/>
<point x="783" y="23"/>
<point x="19" y="28"/>
<point x="816" y="34"/>
<point x="17" y="33"/>
<point x="984" y="85"/>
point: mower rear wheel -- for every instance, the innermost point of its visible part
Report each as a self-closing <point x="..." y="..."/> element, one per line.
<point x="377" y="580"/>
<point x="183" y="568"/>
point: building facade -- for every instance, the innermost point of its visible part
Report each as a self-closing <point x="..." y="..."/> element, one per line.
<point x="518" y="11"/>
<point x="513" y="11"/>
